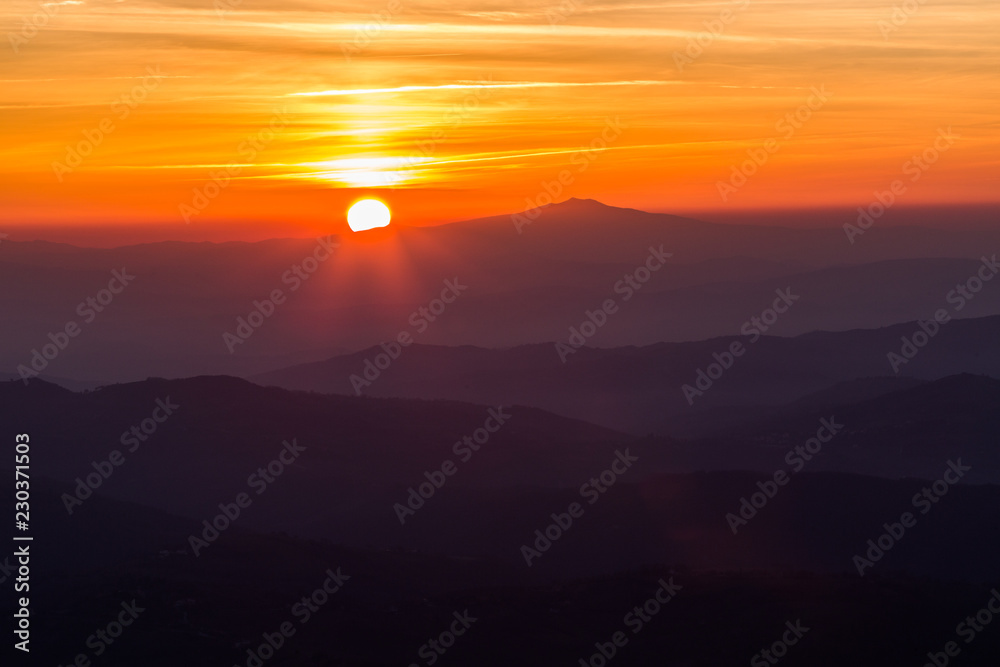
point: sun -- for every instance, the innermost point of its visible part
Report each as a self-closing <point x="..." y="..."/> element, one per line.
<point x="368" y="214"/>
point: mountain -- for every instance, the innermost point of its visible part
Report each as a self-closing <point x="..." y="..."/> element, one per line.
<point x="910" y="432"/>
<point x="198" y="442"/>
<point x="640" y="389"/>
<point x="585" y="228"/>
<point x="344" y="469"/>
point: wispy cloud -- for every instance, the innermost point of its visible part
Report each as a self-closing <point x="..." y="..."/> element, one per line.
<point x="473" y="86"/>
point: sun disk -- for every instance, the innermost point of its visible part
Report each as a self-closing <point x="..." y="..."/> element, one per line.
<point x="368" y="214"/>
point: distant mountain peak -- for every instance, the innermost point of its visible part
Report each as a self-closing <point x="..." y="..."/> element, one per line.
<point x="577" y="203"/>
<point x="591" y="208"/>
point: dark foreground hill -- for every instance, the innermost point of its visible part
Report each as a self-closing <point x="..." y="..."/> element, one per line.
<point x="402" y="473"/>
<point x="223" y="606"/>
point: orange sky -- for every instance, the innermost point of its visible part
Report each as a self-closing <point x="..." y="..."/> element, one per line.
<point x="461" y="109"/>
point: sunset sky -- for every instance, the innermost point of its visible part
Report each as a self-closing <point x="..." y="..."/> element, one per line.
<point x="461" y="109"/>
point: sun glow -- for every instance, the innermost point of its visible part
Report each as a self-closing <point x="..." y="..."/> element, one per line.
<point x="363" y="172"/>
